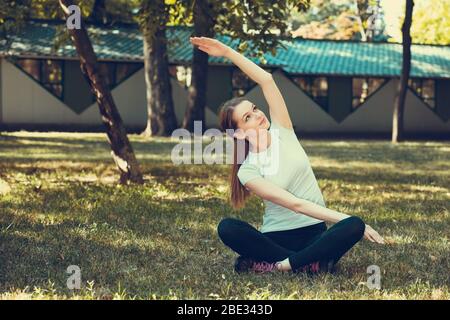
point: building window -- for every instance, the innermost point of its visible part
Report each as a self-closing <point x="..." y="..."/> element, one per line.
<point x="49" y="73"/>
<point x="315" y="87"/>
<point x="115" y="73"/>
<point x="182" y="74"/>
<point x="240" y="83"/>
<point x="51" y="76"/>
<point x="31" y="67"/>
<point x="362" y="88"/>
<point x="425" y="89"/>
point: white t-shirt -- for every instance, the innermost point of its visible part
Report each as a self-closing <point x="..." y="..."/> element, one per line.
<point x="290" y="170"/>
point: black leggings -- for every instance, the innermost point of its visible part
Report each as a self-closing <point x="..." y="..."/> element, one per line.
<point x="302" y="246"/>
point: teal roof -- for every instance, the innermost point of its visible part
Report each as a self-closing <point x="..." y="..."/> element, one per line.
<point x="301" y="56"/>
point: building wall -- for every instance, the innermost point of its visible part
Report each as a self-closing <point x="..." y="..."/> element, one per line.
<point x="306" y="115"/>
<point x="26" y="102"/>
<point x="373" y="116"/>
<point x="219" y="87"/>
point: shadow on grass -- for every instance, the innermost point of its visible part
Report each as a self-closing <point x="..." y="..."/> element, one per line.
<point x="143" y="244"/>
<point x="378" y="176"/>
<point x="161" y="236"/>
<point x="366" y="151"/>
<point x="30" y="261"/>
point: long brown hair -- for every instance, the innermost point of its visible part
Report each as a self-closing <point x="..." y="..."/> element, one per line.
<point x="238" y="193"/>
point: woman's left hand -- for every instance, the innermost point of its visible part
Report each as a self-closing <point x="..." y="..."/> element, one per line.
<point x="371" y="235"/>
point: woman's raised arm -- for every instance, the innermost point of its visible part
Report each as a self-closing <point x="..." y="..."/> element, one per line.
<point x="277" y="106"/>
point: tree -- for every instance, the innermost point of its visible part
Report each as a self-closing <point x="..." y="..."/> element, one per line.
<point x="99" y="13"/>
<point x="122" y="150"/>
<point x="112" y="11"/>
<point x="243" y="20"/>
<point x="153" y="18"/>
<point x="360" y="20"/>
<point x="399" y="103"/>
<point x="431" y="22"/>
<point x="203" y="16"/>
<point x="12" y="16"/>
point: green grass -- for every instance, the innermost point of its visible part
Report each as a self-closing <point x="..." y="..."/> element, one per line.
<point x="159" y="240"/>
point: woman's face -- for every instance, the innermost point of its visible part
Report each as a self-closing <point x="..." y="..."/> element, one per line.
<point x="248" y="116"/>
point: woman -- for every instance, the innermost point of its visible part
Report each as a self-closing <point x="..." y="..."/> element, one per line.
<point x="293" y="235"/>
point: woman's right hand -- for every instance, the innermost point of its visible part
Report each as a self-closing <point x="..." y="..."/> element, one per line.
<point x="371" y="235"/>
<point x="211" y="46"/>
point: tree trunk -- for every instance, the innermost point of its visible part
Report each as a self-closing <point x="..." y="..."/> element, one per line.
<point x="121" y="149"/>
<point x="399" y="103"/>
<point x="359" y="17"/>
<point x="196" y="101"/>
<point x="99" y="13"/>
<point x="161" y="120"/>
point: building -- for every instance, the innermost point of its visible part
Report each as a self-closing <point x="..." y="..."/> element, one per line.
<point x="330" y="87"/>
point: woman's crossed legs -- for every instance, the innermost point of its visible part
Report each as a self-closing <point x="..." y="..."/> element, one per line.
<point x="301" y="247"/>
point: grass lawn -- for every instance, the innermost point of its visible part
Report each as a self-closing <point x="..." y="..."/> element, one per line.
<point x="159" y="240"/>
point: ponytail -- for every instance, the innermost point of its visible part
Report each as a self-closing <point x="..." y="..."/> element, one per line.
<point x="238" y="192"/>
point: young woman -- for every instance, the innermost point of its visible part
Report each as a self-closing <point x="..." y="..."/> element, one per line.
<point x="293" y="235"/>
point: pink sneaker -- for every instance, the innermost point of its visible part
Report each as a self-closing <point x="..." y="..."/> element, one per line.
<point x="313" y="267"/>
<point x="264" y="267"/>
<point x="319" y="267"/>
<point x="244" y="264"/>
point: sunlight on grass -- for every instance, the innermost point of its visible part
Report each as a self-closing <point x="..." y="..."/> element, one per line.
<point x="61" y="206"/>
